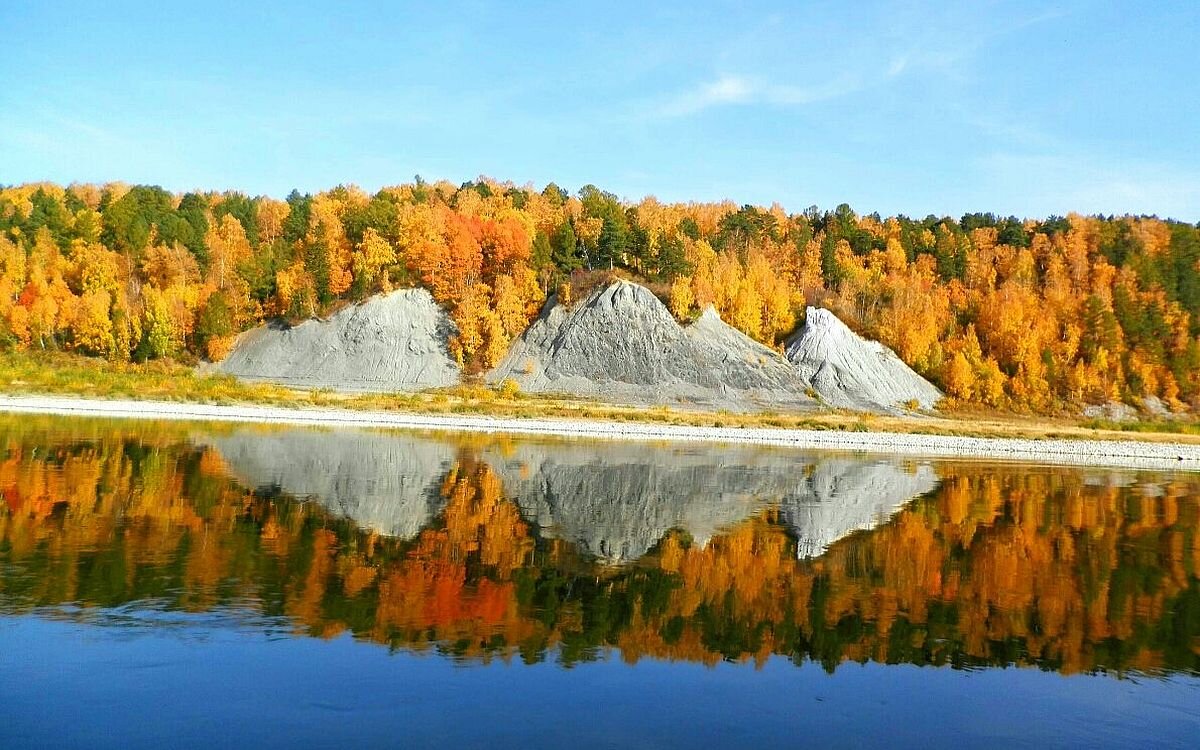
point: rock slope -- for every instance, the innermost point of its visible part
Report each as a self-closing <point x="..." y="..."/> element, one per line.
<point x="622" y="344"/>
<point x="391" y="342"/>
<point x="851" y="372"/>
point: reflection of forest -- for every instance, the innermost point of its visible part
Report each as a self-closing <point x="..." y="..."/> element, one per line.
<point x="1057" y="568"/>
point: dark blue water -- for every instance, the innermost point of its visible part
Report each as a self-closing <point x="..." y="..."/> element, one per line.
<point x="204" y="682"/>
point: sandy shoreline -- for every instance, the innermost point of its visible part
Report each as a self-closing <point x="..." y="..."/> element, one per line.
<point x="1127" y="453"/>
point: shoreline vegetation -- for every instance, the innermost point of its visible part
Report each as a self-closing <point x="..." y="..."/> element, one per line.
<point x="67" y="384"/>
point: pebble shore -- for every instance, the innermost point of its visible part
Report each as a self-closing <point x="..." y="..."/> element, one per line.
<point x="1114" y="453"/>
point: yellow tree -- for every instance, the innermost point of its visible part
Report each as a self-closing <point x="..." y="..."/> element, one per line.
<point x="228" y="248"/>
<point x="93" y="329"/>
<point x="271" y="215"/>
<point x="681" y="298"/>
<point x="164" y="266"/>
<point x="295" y="292"/>
<point x="374" y="256"/>
<point x="327" y="235"/>
<point x="12" y="282"/>
<point x="959" y="377"/>
<point x="50" y="302"/>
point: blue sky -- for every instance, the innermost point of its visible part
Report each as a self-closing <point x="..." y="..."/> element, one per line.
<point x="1020" y="108"/>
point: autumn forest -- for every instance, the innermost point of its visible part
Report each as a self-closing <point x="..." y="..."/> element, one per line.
<point x="1028" y="315"/>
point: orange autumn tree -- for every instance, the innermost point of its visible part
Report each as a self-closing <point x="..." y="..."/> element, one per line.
<point x="479" y="267"/>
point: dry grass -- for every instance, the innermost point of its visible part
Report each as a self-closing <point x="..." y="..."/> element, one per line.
<point x="65" y="374"/>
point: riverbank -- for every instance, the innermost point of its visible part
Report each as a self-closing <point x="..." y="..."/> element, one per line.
<point x="1115" y="453"/>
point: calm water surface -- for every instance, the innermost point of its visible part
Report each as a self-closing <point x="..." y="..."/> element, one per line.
<point x="209" y="586"/>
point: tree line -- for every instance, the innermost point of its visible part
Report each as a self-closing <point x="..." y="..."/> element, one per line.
<point x="998" y="311"/>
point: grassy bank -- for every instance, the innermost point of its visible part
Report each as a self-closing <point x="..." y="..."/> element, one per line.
<point x="72" y="375"/>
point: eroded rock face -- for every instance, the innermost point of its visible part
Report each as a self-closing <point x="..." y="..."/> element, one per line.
<point x="391" y="342"/>
<point x="621" y="344"/>
<point x="1113" y="410"/>
<point x="851" y="372"/>
<point x="385" y="482"/>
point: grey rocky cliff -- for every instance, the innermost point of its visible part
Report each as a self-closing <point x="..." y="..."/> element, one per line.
<point x="391" y="342"/>
<point x="621" y="344"/>
<point x="851" y="372"/>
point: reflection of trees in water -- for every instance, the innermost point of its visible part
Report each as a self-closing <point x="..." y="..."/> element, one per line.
<point x="999" y="565"/>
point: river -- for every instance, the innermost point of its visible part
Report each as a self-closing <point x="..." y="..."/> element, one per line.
<point x="207" y="585"/>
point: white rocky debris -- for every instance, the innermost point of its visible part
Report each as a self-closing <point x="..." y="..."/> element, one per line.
<point x="851" y="372"/>
<point x="391" y="342"/>
<point x="1114" y="411"/>
<point x="621" y="344"/>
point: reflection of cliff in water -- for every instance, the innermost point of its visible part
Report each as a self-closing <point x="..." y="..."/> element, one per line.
<point x="617" y="500"/>
<point x="384" y="482"/>
<point x="840" y="495"/>
<point x="613" y="500"/>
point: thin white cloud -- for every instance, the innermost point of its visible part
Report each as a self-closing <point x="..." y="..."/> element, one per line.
<point x="773" y="61"/>
<point x="732" y="90"/>
<point x="842" y="85"/>
<point x="726" y="89"/>
<point x="1008" y="128"/>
